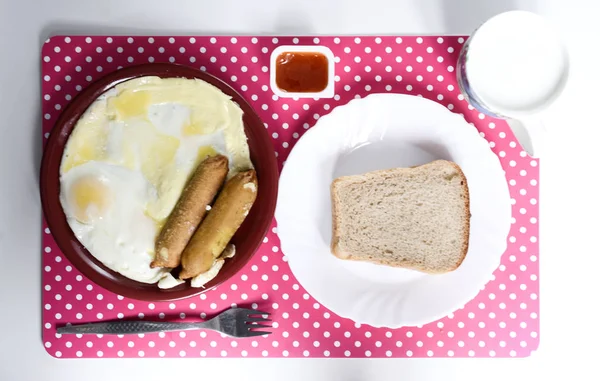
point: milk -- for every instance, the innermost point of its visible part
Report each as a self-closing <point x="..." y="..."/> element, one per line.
<point x="513" y="65"/>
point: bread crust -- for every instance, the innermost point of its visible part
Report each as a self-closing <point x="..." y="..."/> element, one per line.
<point x="338" y="250"/>
<point x="467" y="211"/>
<point x="335" y="223"/>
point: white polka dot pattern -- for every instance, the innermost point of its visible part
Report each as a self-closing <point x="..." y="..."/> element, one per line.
<point x="502" y="321"/>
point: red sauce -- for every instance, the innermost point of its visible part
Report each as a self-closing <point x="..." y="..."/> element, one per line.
<point x="301" y="72"/>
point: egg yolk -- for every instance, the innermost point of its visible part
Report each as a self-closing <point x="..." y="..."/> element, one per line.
<point x="193" y="129"/>
<point x="205" y="152"/>
<point x="90" y="199"/>
<point x="157" y="157"/>
<point x="130" y="104"/>
<point x="84" y="153"/>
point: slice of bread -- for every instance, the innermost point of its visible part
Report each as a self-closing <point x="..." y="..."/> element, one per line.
<point x="416" y="218"/>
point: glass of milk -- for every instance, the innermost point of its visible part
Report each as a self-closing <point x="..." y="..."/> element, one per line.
<point x="514" y="66"/>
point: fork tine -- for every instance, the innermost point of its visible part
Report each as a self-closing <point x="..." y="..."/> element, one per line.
<point x="256" y="319"/>
<point x="251" y="326"/>
<point x="255" y="333"/>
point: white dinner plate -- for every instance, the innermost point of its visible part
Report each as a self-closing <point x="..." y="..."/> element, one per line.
<point x="378" y="132"/>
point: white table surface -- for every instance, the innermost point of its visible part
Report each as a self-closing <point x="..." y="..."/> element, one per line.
<point x="569" y="259"/>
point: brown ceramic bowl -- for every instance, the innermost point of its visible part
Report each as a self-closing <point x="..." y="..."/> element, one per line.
<point x="247" y="239"/>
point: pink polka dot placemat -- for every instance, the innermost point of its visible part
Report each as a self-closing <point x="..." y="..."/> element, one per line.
<point x="502" y="321"/>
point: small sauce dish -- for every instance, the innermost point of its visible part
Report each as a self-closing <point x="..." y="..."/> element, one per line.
<point x="302" y="72"/>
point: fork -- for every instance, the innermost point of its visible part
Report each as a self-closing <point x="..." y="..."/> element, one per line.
<point x="234" y="322"/>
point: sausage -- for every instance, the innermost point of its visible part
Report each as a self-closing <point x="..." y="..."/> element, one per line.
<point x="224" y="219"/>
<point x="189" y="211"/>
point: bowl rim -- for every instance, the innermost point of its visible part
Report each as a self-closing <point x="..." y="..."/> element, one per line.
<point x="56" y="219"/>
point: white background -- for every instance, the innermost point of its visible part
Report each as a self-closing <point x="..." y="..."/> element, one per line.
<point x="570" y="201"/>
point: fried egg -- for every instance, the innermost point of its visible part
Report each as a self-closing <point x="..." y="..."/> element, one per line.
<point x="129" y="157"/>
<point x="105" y="205"/>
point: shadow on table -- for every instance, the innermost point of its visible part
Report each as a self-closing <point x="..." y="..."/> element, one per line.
<point x="80" y="29"/>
